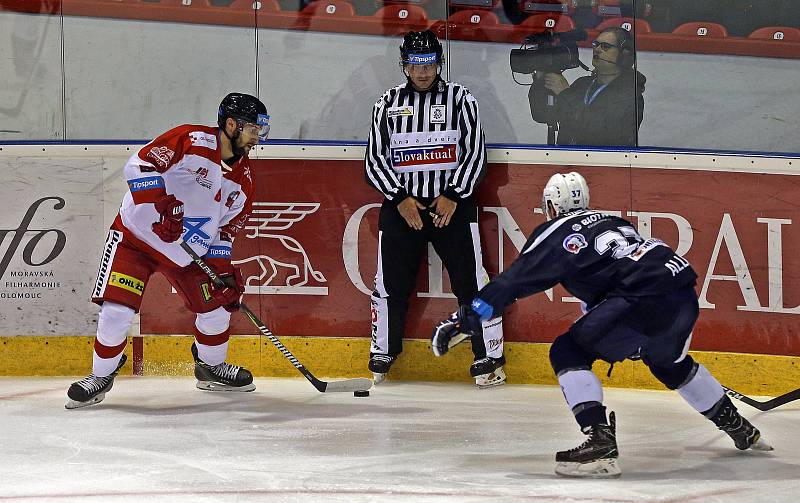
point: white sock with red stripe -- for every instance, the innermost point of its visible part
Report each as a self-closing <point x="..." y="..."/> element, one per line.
<point x="211" y="335"/>
<point x="113" y="324"/>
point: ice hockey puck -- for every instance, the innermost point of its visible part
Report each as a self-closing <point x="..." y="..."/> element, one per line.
<point x="361" y="393"/>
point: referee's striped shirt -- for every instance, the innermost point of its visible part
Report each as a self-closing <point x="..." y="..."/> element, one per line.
<point x="461" y="115"/>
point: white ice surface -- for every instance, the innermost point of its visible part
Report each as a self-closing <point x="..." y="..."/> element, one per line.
<point x="160" y="439"/>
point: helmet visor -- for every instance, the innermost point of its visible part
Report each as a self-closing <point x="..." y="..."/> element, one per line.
<point x="263" y="127"/>
<point x="260" y="128"/>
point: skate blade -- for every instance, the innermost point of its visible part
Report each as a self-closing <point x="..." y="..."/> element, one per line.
<point x="761" y="445"/>
<point x="601" y="469"/>
<point x="496" y="378"/>
<point x="74" y="404"/>
<point x="215" y="386"/>
<point x="378" y="378"/>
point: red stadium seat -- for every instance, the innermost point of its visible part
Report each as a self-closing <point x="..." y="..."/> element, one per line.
<point x="781" y="33"/>
<point x="640" y="25"/>
<point x="701" y="29"/>
<point x="264" y="5"/>
<point x="474" y="17"/>
<point x="329" y="8"/>
<point x="31" y="6"/>
<point x="476" y="25"/>
<point x="402" y="14"/>
<point x="541" y="22"/>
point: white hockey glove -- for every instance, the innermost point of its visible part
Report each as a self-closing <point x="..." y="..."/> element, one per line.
<point x="458" y="326"/>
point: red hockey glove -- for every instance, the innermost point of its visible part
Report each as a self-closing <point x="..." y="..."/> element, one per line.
<point x="170" y="227"/>
<point x="228" y="296"/>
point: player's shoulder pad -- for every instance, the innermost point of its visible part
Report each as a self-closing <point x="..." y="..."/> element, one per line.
<point x="553" y="229"/>
<point x="187" y="129"/>
<point x="171" y="134"/>
<point x="242" y="173"/>
<point x="590" y="218"/>
<point x="161" y="151"/>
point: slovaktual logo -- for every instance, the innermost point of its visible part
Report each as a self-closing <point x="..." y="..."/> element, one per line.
<point x="429" y="154"/>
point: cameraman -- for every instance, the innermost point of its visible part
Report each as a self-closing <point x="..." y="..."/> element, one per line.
<point x="604" y="108"/>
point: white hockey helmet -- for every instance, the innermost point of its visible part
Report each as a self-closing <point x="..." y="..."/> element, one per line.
<point x="565" y="193"/>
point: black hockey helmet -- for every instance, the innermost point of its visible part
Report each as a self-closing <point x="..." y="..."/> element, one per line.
<point x="244" y="108"/>
<point x="421" y="48"/>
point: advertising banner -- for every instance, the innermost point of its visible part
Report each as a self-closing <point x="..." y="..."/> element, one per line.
<point x="309" y="251"/>
<point x="52" y="228"/>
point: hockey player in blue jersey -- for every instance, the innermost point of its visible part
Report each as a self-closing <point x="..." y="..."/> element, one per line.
<point x="639" y="303"/>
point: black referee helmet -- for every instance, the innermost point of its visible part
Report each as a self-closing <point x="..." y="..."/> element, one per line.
<point x="421" y="48"/>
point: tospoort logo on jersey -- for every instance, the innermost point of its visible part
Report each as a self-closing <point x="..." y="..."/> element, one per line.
<point x="404" y="157"/>
<point x="150" y="182"/>
<point x="219" y="252"/>
<point x="574" y="243"/>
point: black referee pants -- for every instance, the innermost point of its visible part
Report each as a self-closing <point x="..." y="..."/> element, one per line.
<point x="401" y="251"/>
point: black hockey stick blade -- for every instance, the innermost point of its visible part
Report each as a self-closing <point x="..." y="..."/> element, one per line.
<point x="765" y="405"/>
<point x="346" y="385"/>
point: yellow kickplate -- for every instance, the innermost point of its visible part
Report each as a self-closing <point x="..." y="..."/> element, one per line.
<point x="527" y="363"/>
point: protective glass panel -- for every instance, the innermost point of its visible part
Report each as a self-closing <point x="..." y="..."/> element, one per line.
<point x="691" y="72"/>
<point x="322" y="74"/>
<point x="30" y="66"/>
<point x="721" y="75"/>
<point x="716" y="75"/>
<point x="136" y="68"/>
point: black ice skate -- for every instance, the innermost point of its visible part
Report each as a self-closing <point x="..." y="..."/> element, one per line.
<point x="596" y="457"/>
<point x="92" y="389"/>
<point x="744" y="434"/>
<point x="222" y="377"/>
<point x="488" y="372"/>
<point x="379" y="365"/>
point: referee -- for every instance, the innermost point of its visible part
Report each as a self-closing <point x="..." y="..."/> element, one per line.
<point x="426" y="155"/>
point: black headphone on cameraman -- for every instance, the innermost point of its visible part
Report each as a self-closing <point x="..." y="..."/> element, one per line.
<point x="625" y="45"/>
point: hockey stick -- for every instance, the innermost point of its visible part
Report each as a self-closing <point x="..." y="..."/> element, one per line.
<point x="356" y="384"/>
<point x="766" y="405"/>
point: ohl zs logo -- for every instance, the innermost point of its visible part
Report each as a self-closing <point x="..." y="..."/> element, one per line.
<point x="282" y="276"/>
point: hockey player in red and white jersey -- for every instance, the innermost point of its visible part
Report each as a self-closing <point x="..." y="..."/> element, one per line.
<point x="192" y="183"/>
